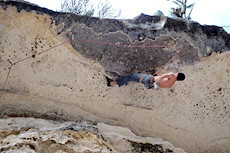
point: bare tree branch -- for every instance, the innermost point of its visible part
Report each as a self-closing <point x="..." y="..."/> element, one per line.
<point x="83" y="7"/>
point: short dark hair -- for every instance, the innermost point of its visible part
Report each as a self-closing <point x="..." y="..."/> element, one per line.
<point x="180" y="76"/>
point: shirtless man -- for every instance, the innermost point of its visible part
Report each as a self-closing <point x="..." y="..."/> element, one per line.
<point x="164" y="81"/>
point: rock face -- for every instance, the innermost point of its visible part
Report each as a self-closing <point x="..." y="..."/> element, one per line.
<point x="55" y="66"/>
<point x="38" y="135"/>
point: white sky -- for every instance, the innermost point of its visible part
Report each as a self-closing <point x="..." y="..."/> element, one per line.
<point x="208" y="12"/>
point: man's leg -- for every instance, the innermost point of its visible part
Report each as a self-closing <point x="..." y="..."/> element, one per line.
<point x="126" y="79"/>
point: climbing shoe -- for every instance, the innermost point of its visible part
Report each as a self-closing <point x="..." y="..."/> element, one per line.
<point x="108" y="81"/>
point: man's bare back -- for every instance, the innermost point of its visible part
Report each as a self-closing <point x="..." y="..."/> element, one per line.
<point x="166" y="80"/>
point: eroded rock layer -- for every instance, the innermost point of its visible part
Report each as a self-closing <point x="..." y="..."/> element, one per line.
<point x="38" y="135"/>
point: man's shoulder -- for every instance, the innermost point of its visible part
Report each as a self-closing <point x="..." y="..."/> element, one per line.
<point x="170" y="73"/>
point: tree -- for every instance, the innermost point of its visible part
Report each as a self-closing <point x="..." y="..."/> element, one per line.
<point x="180" y="11"/>
<point x="83" y="7"/>
<point x="105" y="10"/>
<point x="78" y="7"/>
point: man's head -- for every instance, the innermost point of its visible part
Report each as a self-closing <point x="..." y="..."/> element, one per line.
<point x="180" y="76"/>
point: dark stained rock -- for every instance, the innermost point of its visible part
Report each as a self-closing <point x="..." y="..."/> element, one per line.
<point x="147" y="147"/>
<point x="116" y="43"/>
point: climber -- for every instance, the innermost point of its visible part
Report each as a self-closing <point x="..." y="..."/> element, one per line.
<point x="150" y="81"/>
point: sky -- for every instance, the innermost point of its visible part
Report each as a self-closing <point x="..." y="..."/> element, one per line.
<point x="206" y="12"/>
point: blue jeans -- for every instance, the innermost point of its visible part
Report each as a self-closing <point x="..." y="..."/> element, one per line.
<point x="135" y="78"/>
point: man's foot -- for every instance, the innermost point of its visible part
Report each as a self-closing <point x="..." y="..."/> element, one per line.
<point x="108" y="81"/>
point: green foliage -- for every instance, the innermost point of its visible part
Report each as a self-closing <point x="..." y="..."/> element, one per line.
<point x="180" y="11"/>
<point x="84" y="7"/>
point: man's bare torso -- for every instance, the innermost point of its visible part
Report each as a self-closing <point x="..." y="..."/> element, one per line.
<point x="166" y="80"/>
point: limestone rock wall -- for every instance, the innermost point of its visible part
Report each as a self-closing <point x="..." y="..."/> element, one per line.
<point x="38" y="135"/>
<point x="59" y="71"/>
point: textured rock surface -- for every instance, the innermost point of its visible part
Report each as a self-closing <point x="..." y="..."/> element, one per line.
<point x="68" y="83"/>
<point x="38" y="135"/>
